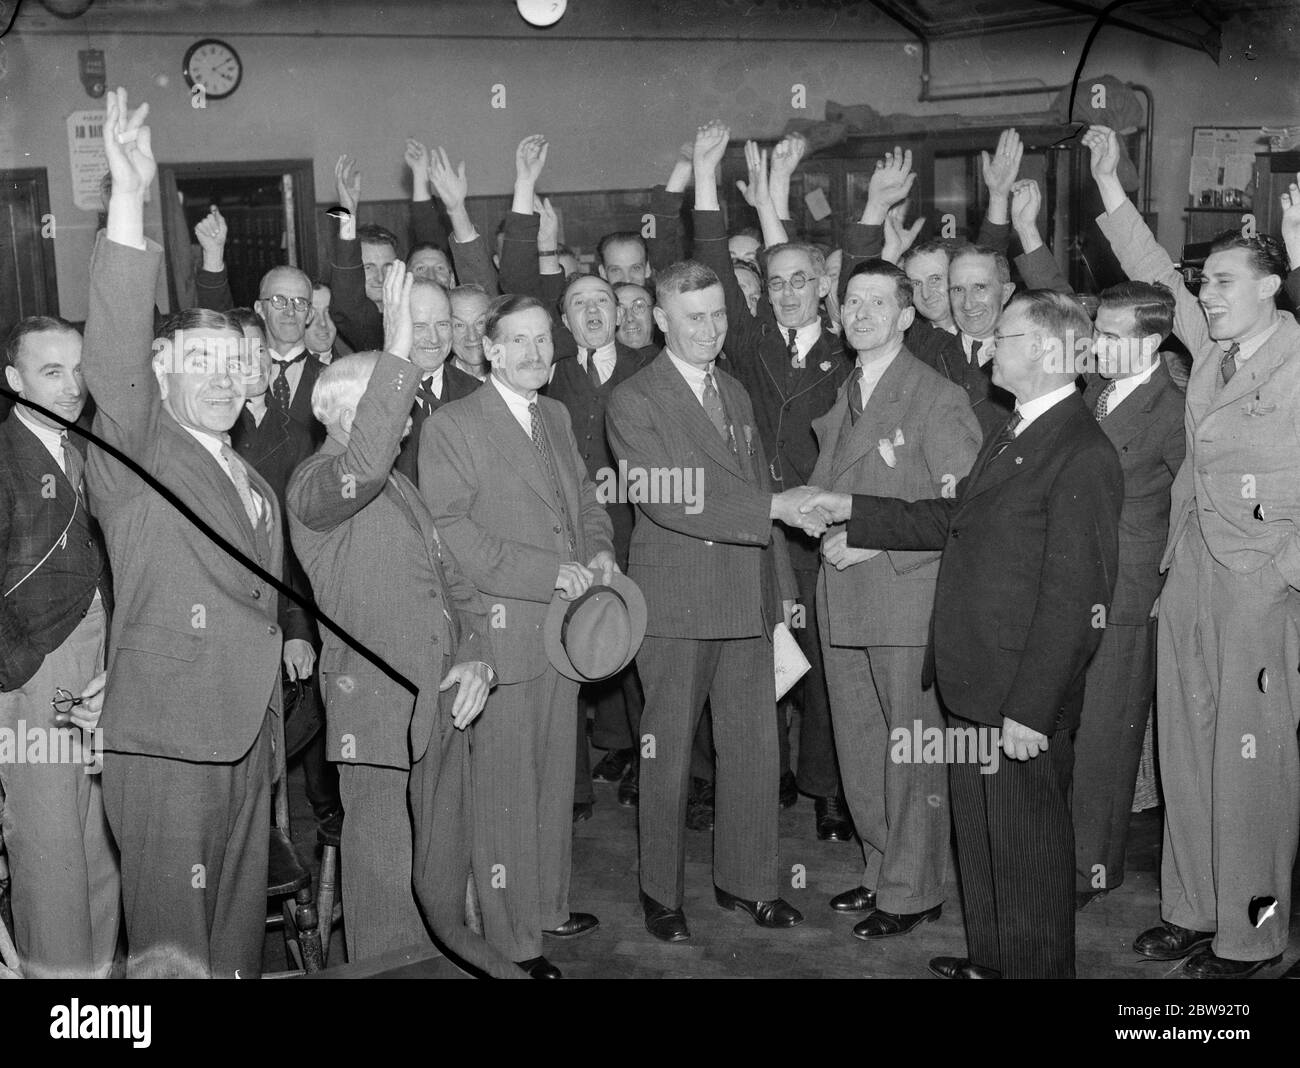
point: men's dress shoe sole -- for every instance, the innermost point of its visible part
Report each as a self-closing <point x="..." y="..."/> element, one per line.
<point x="1206" y="965"/>
<point x="859" y="899"/>
<point x="1154" y="950"/>
<point x="578" y="923"/>
<point x="776" y="914"/>
<point x="540" y="968"/>
<point x="881" y="924"/>
<point x="667" y="925"/>
<point x="960" y="968"/>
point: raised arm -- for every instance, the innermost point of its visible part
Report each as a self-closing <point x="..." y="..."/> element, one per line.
<point x="1037" y="266"/>
<point x="786" y="154"/>
<point x="1000" y="172"/>
<point x="426" y="226"/>
<point x="355" y="314"/>
<point x="211" y="283"/>
<point x="757" y="192"/>
<point x="664" y="245"/>
<point x="468" y="248"/>
<point x="889" y="185"/>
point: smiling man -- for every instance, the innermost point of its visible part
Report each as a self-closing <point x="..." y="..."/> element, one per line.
<point x="636" y="326"/>
<point x="285" y="305"/>
<point x="469" y="305"/>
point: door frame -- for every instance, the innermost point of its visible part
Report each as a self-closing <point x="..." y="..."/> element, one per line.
<point x="49" y="273"/>
<point x="302" y="173"/>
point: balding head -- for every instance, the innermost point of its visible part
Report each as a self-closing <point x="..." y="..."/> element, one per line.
<point x="339" y="390"/>
<point x="284" y="303"/>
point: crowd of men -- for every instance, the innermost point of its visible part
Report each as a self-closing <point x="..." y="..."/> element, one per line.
<point x="998" y="530"/>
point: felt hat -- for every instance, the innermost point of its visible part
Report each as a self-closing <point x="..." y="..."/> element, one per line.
<point x="596" y="635"/>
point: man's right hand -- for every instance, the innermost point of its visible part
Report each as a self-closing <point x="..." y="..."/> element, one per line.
<point x="211" y="234"/>
<point x="530" y="158"/>
<point x="128" y="146"/>
<point x="890" y="183"/>
<point x="1104" y="164"/>
<point x="831" y="507"/>
<point x="398" y="332"/>
<point x="347" y="183"/>
<point x="573" y="580"/>
<point x="417" y="158"/>
<point x="1025" y="202"/>
<point x="450" y="185"/>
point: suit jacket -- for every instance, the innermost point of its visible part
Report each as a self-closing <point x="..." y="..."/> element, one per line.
<point x="455" y="384"/>
<point x="37" y="504"/>
<point x="1243" y="439"/>
<point x="710" y="563"/>
<point x="300" y="402"/>
<point x="409" y="603"/>
<point x="887" y="600"/>
<point x="491" y="497"/>
<point x="186" y="611"/>
<point x="1030" y="554"/>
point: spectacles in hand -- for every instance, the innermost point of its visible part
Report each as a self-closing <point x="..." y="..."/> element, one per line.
<point x="64" y="702"/>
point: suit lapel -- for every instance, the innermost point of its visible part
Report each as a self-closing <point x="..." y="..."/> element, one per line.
<point x="33" y="461"/>
<point x="684" y="408"/>
<point x="881" y="416"/>
<point x="1127" y="421"/>
<point x="225" y="509"/>
<point x="1250" y="375"/>
<point x="514" y="444"/>
<point x="1021" y="454"/>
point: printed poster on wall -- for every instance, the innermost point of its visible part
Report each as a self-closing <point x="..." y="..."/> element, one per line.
<point x="86" y="156"/>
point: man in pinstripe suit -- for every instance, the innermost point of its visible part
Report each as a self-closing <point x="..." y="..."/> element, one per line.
<point x="716" y="579"/>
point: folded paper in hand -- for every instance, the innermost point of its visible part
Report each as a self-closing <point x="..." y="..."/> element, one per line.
<point x="791" y="664"/>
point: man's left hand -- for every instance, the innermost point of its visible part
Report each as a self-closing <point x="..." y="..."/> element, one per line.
<point x="1020" y="742"/>
<point x="299" y="658"/>
<point x="475" y="682"/>
<point x="604" y="562"/>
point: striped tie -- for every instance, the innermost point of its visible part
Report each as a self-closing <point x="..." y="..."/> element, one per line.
<point x="855" y="395"/>
<point x="73" y="464"/>
<point x="713" y="406"/>
<point x="1007" y="435"/>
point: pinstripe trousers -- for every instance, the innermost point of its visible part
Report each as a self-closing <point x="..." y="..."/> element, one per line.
<point x="1015" y="856"/>
<point x="736" y="674"/>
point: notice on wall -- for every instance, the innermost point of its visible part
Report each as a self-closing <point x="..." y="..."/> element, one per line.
<point x="1223" y="165"/>
<point x="86" y="157"/>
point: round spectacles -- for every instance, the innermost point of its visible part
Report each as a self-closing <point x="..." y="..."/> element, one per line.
<point x="64" y="702"/>
<point x="638" y="306"/>
<point x="279" y="302"/>
<point x="797" y="283"/>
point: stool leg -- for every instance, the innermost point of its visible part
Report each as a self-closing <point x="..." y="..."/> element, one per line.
<point x="325" y="901"/>
<point x="306" y="921"/>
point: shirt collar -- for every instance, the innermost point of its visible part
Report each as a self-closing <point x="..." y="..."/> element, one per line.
<point x="1246" y="349"/>
<point x="517" y="404"/>
<point x="1031" y="410"/>
<point x="279" y="356"/>
<point x="694" y="375"/>
<point x="49" y="437"/>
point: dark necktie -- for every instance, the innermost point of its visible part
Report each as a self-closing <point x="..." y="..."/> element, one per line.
<point x="1103" y="401"/>
<point x="1228" y="365"/>
<point x="1006" y="436"/>
<point x="855" y="395"/>
<point x="713" y="406"/>
<point x="73" y="464"/>
<point x="280" y="387"/>
<point x="426" y="396"/>
<point x="544" y="448"/>
<point x="793" y="350"/>
<point x="593" y="372"/>
<point x="975" y="347"/>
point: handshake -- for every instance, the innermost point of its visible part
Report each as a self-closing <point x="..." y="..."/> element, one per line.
<point x="811" y="509"/>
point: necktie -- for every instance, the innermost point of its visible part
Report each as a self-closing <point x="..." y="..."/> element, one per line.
<point x="593" y="372"/>
<point x="793" y="350"/>
<point x="73" y="465"/>
<point x="1228" y="366"/>
<point x="426" y="396"/>
<point x="1007" y="435"/>
<point x="543" y="447"/>
<point x="239" y="477"/>
<point x="855" y="395"/>
<point x="975" y="347"/>
<point x="280" y="387"/>
<point x="1103" y="402"/>
<point x="713" y="406"/>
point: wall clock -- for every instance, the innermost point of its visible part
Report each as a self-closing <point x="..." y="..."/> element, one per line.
<point x="215" y="66"/>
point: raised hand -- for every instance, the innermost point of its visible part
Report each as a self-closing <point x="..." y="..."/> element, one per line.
<point x="1002" y="168"/>
<point x="1104" y="146"/>
<point x="786" y="155"/>
<point x="417" y="158"/>
<point x="1291" y="222"/>
<point x="398" y="331"/>
<point x="548" y="225"/>
<point x="128" y="146"/>
<point x="710" y="143"/>
<point x="211" y="234"/>
<point x="899" y="238"/>
<point x="530" y="158"/>
<point x="347" y="182"/>
<point x="755" y="191"/>
<point x="450" y="185"/>
<point x="1026" y="199"/>
<point x="890" y="183"/>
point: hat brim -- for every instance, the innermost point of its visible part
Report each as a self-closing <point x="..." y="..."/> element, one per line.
<point x="553" y="628"/>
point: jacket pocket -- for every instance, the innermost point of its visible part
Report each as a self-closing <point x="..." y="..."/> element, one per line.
<point x="160" y="641"/>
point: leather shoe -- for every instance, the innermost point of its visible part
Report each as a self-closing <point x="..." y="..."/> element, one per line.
<point x="1084" y="898"/>
<point x="961" y="968"/>
<point x="540" y="968"/>
<point x="789" y="790"/>
<point x="859" y="899"/>
<point x="1205" y="965"/>
<point x="629" y="790"/>
<point x="578" y="923"/>
<point x="667" y="925"/>
<point x="1170" y="942"/>
<point x="776" y="913"/>
<point x="882" y="924"/>
<point x="833" y="822"/>
<point x="582" y="811"/>
<point x="699" y="806"/>
<point x="612" y="765"/>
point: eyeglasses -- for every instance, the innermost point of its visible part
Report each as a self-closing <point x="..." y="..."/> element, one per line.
<point x="797" y="283"/>
<point x="63" y="701"/>
<point x="639" y="306"/>
<point x="279" y="302"/>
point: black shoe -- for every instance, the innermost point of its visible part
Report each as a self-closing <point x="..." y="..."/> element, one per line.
<point x="1170" y="942"/>
<point x="540" y="968"/>
<point x="329" y="827"/>
<point x="961" y="968"/>
<point x="699" y="806"/>
<point x="578" y="923"/>
<point x="789" y="790"/>
<point x="1084" y="898"/>
<point x="612" y="765"/>
<point x="582" y="811"/>
<point x="833" y="822"/>
<point x="776" y="913"/>
<point x="1205" y="965"/>
<point x="859" y="899"/>
<point x="629" y="790"/>
<point x="667" y="925"/>
<point x="882" y="924"/>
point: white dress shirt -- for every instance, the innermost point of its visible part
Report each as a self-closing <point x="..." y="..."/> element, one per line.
<point x="1124" y="387"/>
<point x="694" y="375"/>
<point x="1031" y="410"/>
<point x="986" y="346"/>
<point x="804" y="339"/>
<point x="49" y="437"/>
<point x="872" y="372"/>
<point x="1246" y="349"/>
<point x="518" y="405"/>
<point x="606" y="357"/>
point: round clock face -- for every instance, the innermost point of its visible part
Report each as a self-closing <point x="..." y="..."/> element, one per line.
<point x="214" y="65"/>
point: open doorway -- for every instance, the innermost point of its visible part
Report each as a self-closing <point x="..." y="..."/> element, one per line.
<point x="270" y="212"/>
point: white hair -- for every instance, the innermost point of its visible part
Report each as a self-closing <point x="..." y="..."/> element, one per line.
<point x="341" y="385"/>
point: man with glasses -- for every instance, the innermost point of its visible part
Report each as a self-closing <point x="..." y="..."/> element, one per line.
<point x="54" y="601"/>
<point x="636" y="326"/>
<point x="792" y="369"/>
<point x="285" y="304"/>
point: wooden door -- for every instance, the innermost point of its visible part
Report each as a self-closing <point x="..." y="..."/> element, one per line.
<point x="28" y="284"/>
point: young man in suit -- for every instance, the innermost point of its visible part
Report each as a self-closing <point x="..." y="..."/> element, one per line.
<point x="717" y="581"/>
<point x="189" y="742"/>
<point x="898" y="429"/>
<point x="54" y="603"/>
<point x="1140" y="407"/>
<point x="1229" y="622"/>
<point x="502" y="475"/>
<point x="321" y="334"/>
<point x="791" y="368"/>
<point x="1030" y="552"/>
<point x="405" y="600"/>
